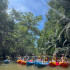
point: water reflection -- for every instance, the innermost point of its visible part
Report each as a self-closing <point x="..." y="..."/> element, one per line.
<point x="14" y="66"/>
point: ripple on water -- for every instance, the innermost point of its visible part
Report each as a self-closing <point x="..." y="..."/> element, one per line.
<point x="14" y="66"/>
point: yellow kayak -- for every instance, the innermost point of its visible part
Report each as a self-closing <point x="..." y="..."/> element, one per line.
<point x="53" y="63"/>
<point x="23" y="62"/>
<point x="64" y="64"/>
<point x="19" y="61"/>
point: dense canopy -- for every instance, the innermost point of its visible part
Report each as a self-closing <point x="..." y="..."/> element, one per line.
<point x="19" y="33"/>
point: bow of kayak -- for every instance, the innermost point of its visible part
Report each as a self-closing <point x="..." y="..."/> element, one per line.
<point x="54" y="63"/>
<point x="19" y="61"/>
<point x="6" y="61"/>
<point x="36" y="62"/>
<point x="23" y="62"/>
<point x="41" y="64"/>
<point x="30" y="62"/>
<point x="64" y="64"/>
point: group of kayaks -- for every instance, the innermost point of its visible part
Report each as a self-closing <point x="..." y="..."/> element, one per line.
<point x="30" y="62"/>
<point x="62" y="64"/>
<point x="42" y="64"/>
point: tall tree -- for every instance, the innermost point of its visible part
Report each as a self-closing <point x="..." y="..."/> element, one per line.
<point x="6" y="26"/>
<point x="54" y="32"/>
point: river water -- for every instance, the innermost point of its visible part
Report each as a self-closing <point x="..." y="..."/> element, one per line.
<point x="15" y="66"/>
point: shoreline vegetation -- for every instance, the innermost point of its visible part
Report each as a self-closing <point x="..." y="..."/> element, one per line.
<point x="19" y="32"/>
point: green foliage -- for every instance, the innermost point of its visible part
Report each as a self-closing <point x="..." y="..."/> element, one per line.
<point x="18" y="31"/>
<point x="55" y="34"/>
<point x="3" y="5"/>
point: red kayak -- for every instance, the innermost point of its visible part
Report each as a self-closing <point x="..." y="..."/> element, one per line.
<point x="31" y="60"/>
<point x="19" y="61"/>
<point x="54" y="64"/>
<point x="64" y="64"/>
<point x="23" y="62"/>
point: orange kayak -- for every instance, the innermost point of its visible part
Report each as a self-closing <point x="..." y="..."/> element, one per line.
<point x="54" y="64"/>
<point x="19" y="61"/>
<point x="64" y="64"/>
<point x="23" y="62"/>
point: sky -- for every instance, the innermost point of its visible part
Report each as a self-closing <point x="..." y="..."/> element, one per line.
<point x="37" y="7"/>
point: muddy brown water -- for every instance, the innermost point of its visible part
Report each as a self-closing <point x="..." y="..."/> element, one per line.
<point x="15" y="66"/>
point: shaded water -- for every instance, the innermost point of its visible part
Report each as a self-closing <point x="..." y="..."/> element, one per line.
<point x="15" y="66"/>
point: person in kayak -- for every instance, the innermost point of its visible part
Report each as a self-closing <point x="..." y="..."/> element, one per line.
<point x="39" y="57"/>
<point x="63" y="58"/>
<point x="8" y="57"/>
<point x="54" y="58"/>
<point x="19" y="57"/>
<point x="26" y="58"/>
<point x="34" y="57"/>
<point x="45" y="58"/>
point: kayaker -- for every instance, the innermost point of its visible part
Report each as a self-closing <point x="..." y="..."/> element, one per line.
<point x="33" y="56"/>
<point x="26" y="58"/>
<point x="23" y="59"/>
<point x="63" y="58"/>
<point x="54" y="58"/>
<point x="7" y="57"/>
<point x="19" y="57"/>
<point x="45" y="58"/>
<point x="39" y="57"/>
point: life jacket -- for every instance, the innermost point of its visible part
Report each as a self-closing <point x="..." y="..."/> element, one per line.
<point x="54" y="58"/>
<point x="26" y="57"/>
<point x="33" y="58"/>
<point x="8" y="58"/>
<point x="63" y="58"/>
<point x="45" y="58"/>
<point x="19" y="58"/>
<point x="40" y="58"/>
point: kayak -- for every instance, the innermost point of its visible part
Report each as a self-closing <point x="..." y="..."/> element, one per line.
<point x="63" y="64"/>
<point x="6" y="61"/>
<point x="19" y="61"/>
<point x="54" y="63"/>
<point x="23" y="62"/>
<point x="41" y="64"/>
<point x="36" y="62"/>
<point x="30" y="62"/>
